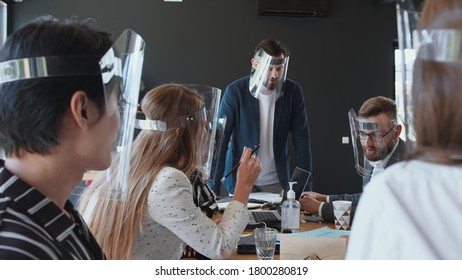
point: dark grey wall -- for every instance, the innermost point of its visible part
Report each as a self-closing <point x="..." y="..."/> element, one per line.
<point x="340" y="60"/>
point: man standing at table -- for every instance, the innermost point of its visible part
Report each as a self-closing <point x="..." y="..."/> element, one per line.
<point x="377" y="132"/>
<point x="264" y="108"/>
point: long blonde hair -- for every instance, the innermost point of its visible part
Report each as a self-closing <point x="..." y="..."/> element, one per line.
<point x="115" y="223"/>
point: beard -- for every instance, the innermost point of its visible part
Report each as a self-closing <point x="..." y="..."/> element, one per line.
<point x="269" y="85"/>
<point x="379" y="153"/>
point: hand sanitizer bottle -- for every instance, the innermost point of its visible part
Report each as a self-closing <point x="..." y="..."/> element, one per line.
<point x="290" y="210"/>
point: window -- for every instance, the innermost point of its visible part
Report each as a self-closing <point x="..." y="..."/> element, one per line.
<point x="404" y="62"/>
<point x="3" y="23"/>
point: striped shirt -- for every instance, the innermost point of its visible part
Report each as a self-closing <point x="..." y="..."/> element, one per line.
<point x="33" y="227"/>
<point x="203" y="197"/>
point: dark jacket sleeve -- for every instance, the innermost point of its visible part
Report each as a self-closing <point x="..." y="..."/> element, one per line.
<point x="300" y="130"/>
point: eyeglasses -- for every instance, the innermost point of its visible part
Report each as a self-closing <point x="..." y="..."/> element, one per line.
<point x="374" y="136"/>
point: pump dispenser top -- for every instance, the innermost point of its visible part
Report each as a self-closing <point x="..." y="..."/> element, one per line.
<point x="291" y="193"/>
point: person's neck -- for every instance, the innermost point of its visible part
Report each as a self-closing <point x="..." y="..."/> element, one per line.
<point x="267" y="91"/>
<point x="52" y="175"/>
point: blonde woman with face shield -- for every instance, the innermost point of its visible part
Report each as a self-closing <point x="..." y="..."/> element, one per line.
<point x="158" y="216"/>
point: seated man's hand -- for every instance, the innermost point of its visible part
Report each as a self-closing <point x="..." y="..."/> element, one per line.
<point x="315" y="195"/>
<point x="309" y="204"/>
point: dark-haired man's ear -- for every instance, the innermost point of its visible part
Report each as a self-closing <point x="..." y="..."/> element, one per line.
<point x="254" y="63"/>
<point x="79" y="108"/>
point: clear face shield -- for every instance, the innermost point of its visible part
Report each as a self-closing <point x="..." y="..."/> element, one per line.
<point x="120" y="71"/>
<point x="212" y="129"/>
<point x="268" y="75"/>
<point x="371" y="140"/>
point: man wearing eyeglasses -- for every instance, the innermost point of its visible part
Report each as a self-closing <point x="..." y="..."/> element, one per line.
<point x="376" y="146"/>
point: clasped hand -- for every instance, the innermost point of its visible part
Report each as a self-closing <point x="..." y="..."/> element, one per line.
<point x="310" y="201"/>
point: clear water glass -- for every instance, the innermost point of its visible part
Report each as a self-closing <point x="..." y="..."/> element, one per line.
<point x="265" y="242"/>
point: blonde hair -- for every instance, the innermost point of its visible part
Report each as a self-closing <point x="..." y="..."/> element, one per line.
<point x="115" y="223"/>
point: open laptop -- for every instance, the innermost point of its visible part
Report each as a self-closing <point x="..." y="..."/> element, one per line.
<point x="271" y="218"/>
<point x="302" y="177"/>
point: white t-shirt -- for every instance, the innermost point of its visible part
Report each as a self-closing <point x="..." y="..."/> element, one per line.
<point x="413" y="210"/>
<point x="268" y="174"/>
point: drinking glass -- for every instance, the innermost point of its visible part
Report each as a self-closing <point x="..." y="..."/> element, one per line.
<point x="265" y="242"/>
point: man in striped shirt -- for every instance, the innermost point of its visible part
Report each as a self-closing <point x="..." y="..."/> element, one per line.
<point x="59" y="116"/>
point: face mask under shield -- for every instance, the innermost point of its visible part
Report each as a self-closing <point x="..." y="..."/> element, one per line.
<point x="269" y="75"/>
<point x="370" y="136"/>
<point x="212" y="128"/>
<point x="120" y="71"/>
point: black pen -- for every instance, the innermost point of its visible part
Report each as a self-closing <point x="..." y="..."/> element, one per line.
<point x="239" y="163"/>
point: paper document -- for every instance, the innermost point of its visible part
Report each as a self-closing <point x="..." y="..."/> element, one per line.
<point x="320" y="232"/>
<point x="266" y="196"/>
<point x="261" y="197"/>
<point x="223" y="205"/>
<point x="224" y="202"/>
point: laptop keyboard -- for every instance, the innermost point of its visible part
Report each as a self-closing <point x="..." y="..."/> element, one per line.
<point x="261" y="216"/>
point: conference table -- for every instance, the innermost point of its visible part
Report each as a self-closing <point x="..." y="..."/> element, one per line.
<point x="304" y="226"/>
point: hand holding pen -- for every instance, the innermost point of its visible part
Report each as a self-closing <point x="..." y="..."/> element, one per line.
<point x="249" y="168"/>
<point x="252" y="155"/>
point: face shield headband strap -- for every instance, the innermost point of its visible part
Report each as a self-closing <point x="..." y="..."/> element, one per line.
<point x="51" y="66"/>
<point x="372" y="126"/>
<point x="368" y="125"/>
<point x="439" y="45"/>
<point x="161" y="125"/>
<point x="273" y="61"/>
